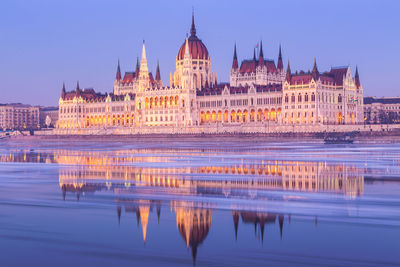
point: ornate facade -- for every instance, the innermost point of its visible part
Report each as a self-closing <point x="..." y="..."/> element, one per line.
<point x="260" y="94"/>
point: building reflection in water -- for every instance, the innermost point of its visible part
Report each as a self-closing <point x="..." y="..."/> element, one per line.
<point x="83" y="172"/>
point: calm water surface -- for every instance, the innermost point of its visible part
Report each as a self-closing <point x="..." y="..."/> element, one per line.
<point x="204" y="202"/>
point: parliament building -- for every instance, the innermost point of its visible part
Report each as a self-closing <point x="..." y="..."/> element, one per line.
<point x="260" y="94"/>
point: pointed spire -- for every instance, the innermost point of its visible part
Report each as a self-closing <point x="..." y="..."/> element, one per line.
<point x="187" y="52"/>
<point x="235" y="64"/>
<point x="261" y="56"/>
<point x="137" y="67"/>
<point x="118" y="75"/>
<point x="144" y="71"/>
<point x="63" y="91"/>
<point x="280" y="61"/>
<point x="158" y="75"/>
<point x="254" y="54"/>
<point x="357" y="79"/>
<point x="315" y="72"/>
<point x="288" y="72"/>
<point x="78" y="91"/>
<point x="143" y="51"/>
<point x="193" y="27"/>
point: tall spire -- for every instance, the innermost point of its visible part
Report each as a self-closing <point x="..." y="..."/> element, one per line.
<point x="315" y="72"/>
<point x="143" y="61"/>
<point x="118" y="75"/>
<point x="158" y="75"/>
<point x="280" y="61"/>
<point x="143" y="52"/>
<point x="193" y="27"/>
<point x="357" y="78"/>
<point x="254" y="54"/>
<point x="261" y="56"/>
<point x="235" y="65"/>
<point x="288" y="72"/>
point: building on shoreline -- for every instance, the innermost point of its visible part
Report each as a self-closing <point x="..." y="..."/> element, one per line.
<point x="17" y="116"/>
<point x="384" y="110"/>
<point x="260" y="93"/>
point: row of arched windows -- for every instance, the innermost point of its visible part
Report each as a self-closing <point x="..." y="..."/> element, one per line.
<point x="240" y="116"/>
<point x="300" y="98"/>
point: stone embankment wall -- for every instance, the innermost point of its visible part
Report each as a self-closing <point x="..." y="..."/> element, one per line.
<point x="265" y="129"/>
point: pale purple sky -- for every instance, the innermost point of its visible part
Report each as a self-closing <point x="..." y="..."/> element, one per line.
<point x="46" y="42"/>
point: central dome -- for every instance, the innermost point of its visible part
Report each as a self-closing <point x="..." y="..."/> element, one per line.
<point x="196" y="47"/>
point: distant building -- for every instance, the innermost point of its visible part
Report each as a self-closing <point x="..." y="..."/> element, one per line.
<point x="48" y="112"/>
<point x="18" y="116"/>
<point x="384" y="110"/>
<point x="260" y="93"/>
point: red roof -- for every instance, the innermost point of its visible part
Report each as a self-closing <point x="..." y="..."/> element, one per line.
<point x="301" y="78"/>
<point x="90" y="95"/>
<point x="333" y="77"/>
<point x="249" y="66"/>
<point x="337" y="74"/>
<point x="128" y="77"/>
<point x="196" y="49"/>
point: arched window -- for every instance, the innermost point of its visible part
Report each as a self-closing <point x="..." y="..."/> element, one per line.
<point x="293" y="98"/>
<point x="340" y="98"/>
<point x="286" y="98"/>
<point x="313" y="97"/>
<point x="299" y="98"/>
<point x="306" y="97"/>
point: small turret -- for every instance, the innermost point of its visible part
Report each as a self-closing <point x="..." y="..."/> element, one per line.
<point x="357" y="79"/>
<point x="261" y="56"/>
<point x="118" y="75"/>
<point x="63" y="91"/>
<point x="254" y="55"/>
<point x="280" y="61"/>
<point x="78" y="90"/>
<point x="288" y="72"/>
<point x="158" y="75"/>
<point x="235" y="64"/>
<point x="315" y="72"/>
<point x="137" y="67"/>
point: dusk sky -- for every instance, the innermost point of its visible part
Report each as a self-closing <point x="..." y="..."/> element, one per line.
<point x="46" y="42"/>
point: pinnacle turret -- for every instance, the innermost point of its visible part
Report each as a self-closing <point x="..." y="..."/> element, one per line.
<point x="118" y="75"/>
<point x="315" y="72"/>
<point x="261" y="56"/>
<point x="193" y="27"/>
<point x="235" y="64"/>
<point x="288" y="72"/>
<point x="357" y="79"/>
<point x="63" y="91"/>
<point x="158" y="75"/>
<point x="280" y="61"/>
